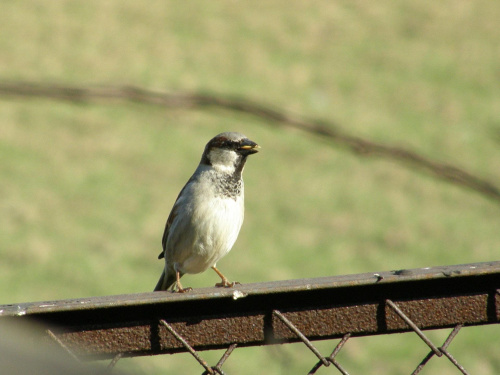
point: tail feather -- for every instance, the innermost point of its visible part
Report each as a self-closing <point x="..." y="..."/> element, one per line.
<point x="165" y="283"/>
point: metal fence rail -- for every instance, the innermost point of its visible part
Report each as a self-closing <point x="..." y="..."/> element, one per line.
<point x="275" y="312"/>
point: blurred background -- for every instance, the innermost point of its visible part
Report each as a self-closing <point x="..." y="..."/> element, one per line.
<point x="85" y="189"/>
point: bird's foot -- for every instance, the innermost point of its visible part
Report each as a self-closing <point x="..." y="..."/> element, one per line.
<point x="182" y="290"/>
<point x="179" y="288"/>
<point x="227" y="284"/>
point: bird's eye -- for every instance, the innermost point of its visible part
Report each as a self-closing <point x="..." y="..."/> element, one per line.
<point x="230" y="145"/>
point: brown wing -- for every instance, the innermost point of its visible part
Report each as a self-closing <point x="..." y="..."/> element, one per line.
<point x="170" y="220"/>
<point x="171" y="217"/>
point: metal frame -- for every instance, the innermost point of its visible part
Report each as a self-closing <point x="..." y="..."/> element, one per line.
<point x="275" y="312"/>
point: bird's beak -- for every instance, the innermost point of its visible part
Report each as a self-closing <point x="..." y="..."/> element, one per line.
<point x="249" y="147"/>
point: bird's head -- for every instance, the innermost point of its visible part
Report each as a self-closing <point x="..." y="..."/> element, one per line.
<point x="227" y="152"/>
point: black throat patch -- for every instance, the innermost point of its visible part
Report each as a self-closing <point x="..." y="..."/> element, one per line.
<point x="228" y="185"/>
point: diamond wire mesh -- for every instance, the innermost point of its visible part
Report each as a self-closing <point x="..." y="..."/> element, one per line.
<point x="326" y="361"/>
<point x="468" y="295"/>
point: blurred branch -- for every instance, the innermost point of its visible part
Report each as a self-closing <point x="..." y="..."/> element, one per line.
<point x="326" y="130"/>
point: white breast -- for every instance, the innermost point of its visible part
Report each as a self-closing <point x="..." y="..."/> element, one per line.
<point x="207" y="228"/>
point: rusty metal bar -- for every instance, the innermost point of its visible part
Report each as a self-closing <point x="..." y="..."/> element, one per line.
<point x="415" y="328"/>
<point x="322" y="308"/>
<point x="62" y="345"/>
<point x="304" y="339"/>
<point x="188" y="347"/>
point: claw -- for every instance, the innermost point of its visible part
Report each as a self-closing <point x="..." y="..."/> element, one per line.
<point x="225" y="283"/>
<point x="179" y="288"/>
<point x="183" y="290"/>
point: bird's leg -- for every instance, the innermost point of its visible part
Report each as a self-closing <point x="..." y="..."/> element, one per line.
<point x="225" y="282"/>
<point x="180" y="289"/>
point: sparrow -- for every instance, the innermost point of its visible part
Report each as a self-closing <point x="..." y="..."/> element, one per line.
<point x="208" y="213"/>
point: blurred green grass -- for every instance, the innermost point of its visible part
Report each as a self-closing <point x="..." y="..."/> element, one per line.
<point x="86" y="189"/>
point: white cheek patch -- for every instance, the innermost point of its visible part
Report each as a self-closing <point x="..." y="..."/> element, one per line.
<point x="223" y="160"/>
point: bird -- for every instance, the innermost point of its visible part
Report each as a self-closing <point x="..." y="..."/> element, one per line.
<point x="206" y="218"/>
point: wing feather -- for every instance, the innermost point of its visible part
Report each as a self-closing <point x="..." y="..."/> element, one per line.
<point x="173" y="214"/>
